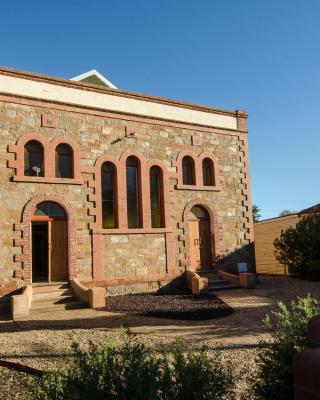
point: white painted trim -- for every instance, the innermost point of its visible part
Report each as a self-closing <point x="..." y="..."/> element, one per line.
<point x="94" y="72"/>
<point x="109" y="102"/>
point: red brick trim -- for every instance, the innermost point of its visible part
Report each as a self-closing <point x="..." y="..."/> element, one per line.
<point x="25" y="272"/>
<point x="216" y="230"/>
<point x="49" y="159"/>
<point x="198" y="171"/>
<point x="247" y="203"/>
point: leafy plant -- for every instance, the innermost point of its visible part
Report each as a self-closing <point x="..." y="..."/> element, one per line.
<point x="289" y="332"/>
<point x="132" y="371"/>
<point x="300" y="245"/>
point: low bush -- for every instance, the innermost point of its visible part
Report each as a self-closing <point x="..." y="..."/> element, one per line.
<point x="132" y="371"/>
<point x="289" y="331"/>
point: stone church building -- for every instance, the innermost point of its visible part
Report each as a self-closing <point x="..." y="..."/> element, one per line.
<point x="115" y="188"/>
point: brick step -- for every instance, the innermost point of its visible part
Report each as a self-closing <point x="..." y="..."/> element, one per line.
<point x="50" y="287"/>
<point x="58" y="294"/>
<point x="59" y="307"/>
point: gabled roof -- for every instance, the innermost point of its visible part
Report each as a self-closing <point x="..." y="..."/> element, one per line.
<point x="95" y="78"/>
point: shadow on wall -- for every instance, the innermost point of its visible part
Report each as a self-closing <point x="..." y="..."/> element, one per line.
<point x="229" y="262"/>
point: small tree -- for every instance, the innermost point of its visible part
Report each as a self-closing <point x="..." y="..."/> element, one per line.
<point x="286" y="212"/>
<point x="256" y="213"/>
<point x="299" y="247"/>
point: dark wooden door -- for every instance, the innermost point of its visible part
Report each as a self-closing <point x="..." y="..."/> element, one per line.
<point x="58" y="250"/>
<point x="205" y="244"/>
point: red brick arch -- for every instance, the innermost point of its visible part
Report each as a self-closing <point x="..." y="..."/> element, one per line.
<point x="165" y="182"/>
<point x="48" y="159"/>
<point x="201" y="157"/>
<point x="25" y="242"/>
<point x="215" y="225"/>
<point x="198" y="171"/>
<point x="75" y="153"/>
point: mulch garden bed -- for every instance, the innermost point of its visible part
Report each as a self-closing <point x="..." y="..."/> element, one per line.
<point x="180" y="306"/>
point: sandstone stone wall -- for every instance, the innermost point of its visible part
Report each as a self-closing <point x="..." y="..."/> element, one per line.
<point x="128" y="254"/>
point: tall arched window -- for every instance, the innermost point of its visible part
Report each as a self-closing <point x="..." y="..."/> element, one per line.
<point x="188" y="171"/>
<point x="133" y="192"/>
<point x="156" y="197"/>
<point x="64" y="161"/>
<point x="108" y="194"/>
<point x="33" y="159"/>
<point x="208" y="172"/>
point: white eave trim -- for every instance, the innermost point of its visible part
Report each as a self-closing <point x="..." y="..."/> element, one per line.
<point x="79" y="78"/>
<point x="110" y="102"/>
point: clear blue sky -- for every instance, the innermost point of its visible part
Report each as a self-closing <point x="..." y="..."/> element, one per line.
<point x="260" y="56"/>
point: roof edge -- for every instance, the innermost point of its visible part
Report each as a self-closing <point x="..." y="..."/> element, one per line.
<point x="117" y="92"/>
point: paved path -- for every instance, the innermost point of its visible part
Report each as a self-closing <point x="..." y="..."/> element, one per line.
<point x="44" y="337"/>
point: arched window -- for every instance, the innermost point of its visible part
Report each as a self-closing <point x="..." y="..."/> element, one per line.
<point x="133" y="192"/>
<point x="156" y="197"/>
<point x="33" y="159"/>
<point x="188" y="171"/>
<point x="108" y="194"/>
<point x="64" y="161"/>
<point x="208" y="172"/>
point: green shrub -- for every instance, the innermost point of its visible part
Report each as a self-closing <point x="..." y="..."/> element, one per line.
<point x="131" y="371"/>
<point x="313" y="270"/>
<point x="300" y="245"/>
<point x="289" y="332"/>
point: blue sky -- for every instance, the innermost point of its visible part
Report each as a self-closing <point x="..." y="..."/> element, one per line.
<point x="260" y="56"/>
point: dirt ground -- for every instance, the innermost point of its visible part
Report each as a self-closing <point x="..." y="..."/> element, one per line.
<point x="44" y="339"/>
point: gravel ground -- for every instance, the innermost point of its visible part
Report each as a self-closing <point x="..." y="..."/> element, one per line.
<point x="179" y="306"/>
<point x="44" y="342"/>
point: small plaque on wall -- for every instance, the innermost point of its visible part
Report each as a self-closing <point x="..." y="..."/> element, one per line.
<point x="196" y="140"/>
<point x="48" y="121"/>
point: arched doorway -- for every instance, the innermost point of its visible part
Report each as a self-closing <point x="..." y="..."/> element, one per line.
<point x="49" y="230"/>
<point x="200" y="238"/>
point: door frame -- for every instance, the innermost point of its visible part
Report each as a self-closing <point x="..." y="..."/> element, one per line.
<point x="215" y="229"/>
<point x="49" y="220"/>
<point x="23" y="269"/>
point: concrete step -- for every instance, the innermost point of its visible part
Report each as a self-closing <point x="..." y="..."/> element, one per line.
<point x="218" y="283"/>
<point x="50" y="287"/>
<point x="58" y="294"/>
<point x="59" y="307"/>
<point x="222" y="287"/>
<point x="44" y="303"/>
<point x="206" y="272"/>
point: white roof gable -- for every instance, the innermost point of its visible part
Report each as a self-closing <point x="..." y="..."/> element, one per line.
<point x="95" y="74"/>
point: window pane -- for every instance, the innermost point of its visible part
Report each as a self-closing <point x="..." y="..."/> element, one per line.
<point x="64" y="161"/>
<point x="50" y="210"/>
<point x="156" y="197"/>
<point x="108" y="196"/>
<point x="208" y="172"/>
<point x="132" y="192"/>
<point x="188" y="173"/>
<point x="33" y="159"/>
<point x="200" y="212"/>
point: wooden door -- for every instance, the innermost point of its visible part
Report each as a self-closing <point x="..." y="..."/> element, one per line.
<point x="195" y="260"/>
<point x="58" y="251"/>
<point x="205" y="244"/>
